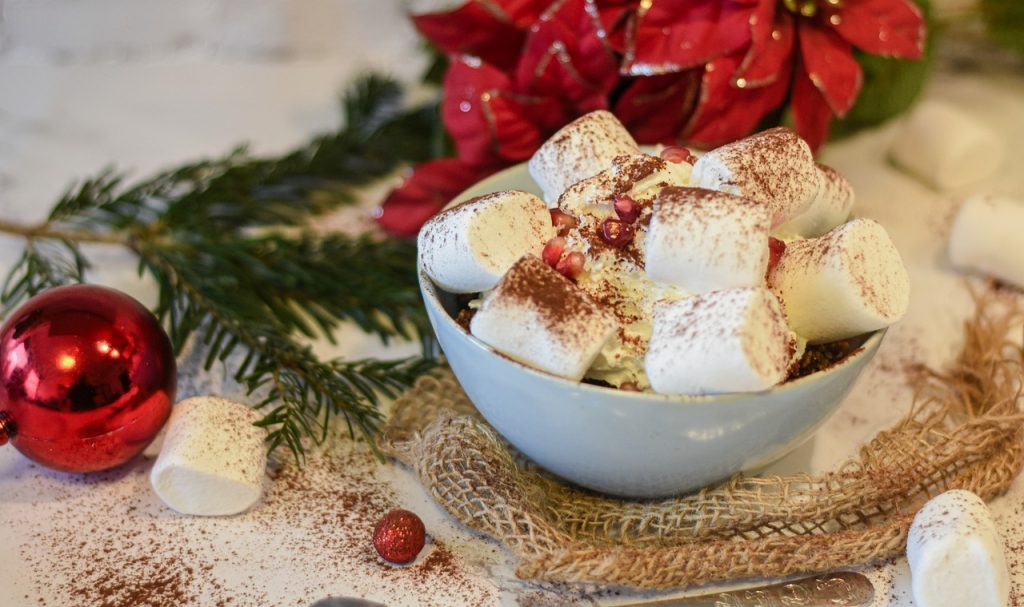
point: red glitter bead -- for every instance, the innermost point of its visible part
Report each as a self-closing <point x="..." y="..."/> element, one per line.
<point x="571" y="265"/>
<point x="626" y="208"/>
<point x="677" y="154"/>
<point x="87" y="378"/>
<point x="616" y="232"/>
<point x="553" y="250"/>
<point x="399" y="536"/>
<point x="562" y="221"/>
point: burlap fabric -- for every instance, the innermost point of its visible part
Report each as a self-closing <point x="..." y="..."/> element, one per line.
<point x="965" y="430"/>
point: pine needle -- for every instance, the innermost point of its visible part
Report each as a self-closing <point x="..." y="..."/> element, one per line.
<point x="249" y="293"/>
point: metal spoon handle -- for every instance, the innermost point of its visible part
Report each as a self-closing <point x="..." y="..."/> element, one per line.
<point x="842" y="589"/>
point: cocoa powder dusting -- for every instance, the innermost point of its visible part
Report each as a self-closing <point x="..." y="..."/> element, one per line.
<point x="309" y="538"/>
<point x="560" y="305"/>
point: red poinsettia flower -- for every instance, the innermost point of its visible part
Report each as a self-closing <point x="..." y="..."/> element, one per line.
<point x="519" y="70"/>
<point x="755" y="53"/>
<point x="703" y="72"/>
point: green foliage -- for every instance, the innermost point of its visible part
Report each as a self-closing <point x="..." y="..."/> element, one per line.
<point x="891" y="86"/>
<point x="209" y="233"/>
<point x="44" y="264"/>
<point x="1005" y="22"/>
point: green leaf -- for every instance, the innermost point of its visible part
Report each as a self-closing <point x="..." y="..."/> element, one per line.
<point x="891" y="86"/>
<point x="1005" y="22"/>
<point x="437" y="67"/>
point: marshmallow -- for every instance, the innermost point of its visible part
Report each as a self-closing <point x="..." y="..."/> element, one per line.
<point x="775" y="167"/>
<point x="848" y="282"/>
<point x="734" y="340"/>
<point x="702" y="240"/>
<point x="828" y="209"/>
<point x="945" y="147"/>
<point x="639" y="176"/>
<point x="536" y="316"/>
<point x="213" y="458"/>
<point x="956" y="556"/>
<point x="580" y="149"/>
<point x="986" y="237"/>
<point x="467" y="248"/>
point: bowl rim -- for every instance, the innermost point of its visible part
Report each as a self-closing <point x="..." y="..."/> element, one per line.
<point x="430" y="292"/>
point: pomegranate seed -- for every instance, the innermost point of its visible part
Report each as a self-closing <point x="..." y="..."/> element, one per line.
<point x="553" y="251"/>
<point x="775" y="250"/>
<point x="571" y="266"/>
<point x="678" y="154"/>
<point x="626" y="208"/>
<point x="562" y="221"/>
<point x="616" y="233"/>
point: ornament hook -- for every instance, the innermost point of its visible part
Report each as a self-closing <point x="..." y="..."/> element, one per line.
<point x="6" y="428"/>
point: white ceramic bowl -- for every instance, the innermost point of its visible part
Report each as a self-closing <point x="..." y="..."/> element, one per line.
<point x="628" y="443"/>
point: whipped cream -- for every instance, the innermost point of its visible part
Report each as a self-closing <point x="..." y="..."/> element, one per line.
<point x="615" y="277"/>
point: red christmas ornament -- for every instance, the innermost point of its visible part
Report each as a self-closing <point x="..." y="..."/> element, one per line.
<point x="87" y="378"/>
<point x="399" y="536"/>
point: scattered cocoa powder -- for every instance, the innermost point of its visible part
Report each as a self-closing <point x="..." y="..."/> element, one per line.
<point x="309" y="538"/>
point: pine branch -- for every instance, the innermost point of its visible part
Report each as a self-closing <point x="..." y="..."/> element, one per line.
<point x="226" y="279"/>
<point x="44" y="264"/>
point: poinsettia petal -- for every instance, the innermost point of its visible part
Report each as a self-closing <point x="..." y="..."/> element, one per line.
<point x="772" y="47"/>
<point x="548" y="114"/>
<point x="893" y="28"/>
<point x="655" y="109"/>
<point x="471" y="29"/>
<point x="566" y="56"/>
<point x="523" y="13"/>
<point x="830" y="64"/>
<point x="615" y="16"/>
<point x="483" y="115"/>
<point x="725" y="112"/>
<point x="811" y="111"/>
<point x="425" y="191"/>
<point x="674" y="35"/>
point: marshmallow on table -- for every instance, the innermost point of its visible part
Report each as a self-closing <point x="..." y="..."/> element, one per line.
<point x="848" y="282"/>
<point x="945" y="147"/>
<point x="987" y="237"/>
<point x="775" y="166"/>
<point x="580" y="149"/>
<point x="467" y="248"/>
<point x="733" y="340"/>
<point x="702" y="240"/>
<point x="956" y="556"/>
<point x="536" y="316"/>
<point x="213" y="458"/>
<point x="829" y="208"/>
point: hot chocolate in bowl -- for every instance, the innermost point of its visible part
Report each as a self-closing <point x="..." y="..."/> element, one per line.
<point x="633" y="444"/>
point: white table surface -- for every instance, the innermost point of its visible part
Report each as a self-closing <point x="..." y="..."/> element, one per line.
<point x="62" y="123"/>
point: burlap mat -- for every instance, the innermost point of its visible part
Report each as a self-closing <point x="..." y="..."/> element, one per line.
<point x="963" y="431"/>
